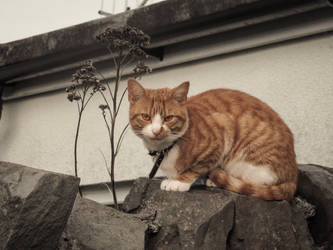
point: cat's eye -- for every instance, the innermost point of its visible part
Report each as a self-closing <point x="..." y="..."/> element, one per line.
<point x="145" y="117"/>
<point x="168" y="118"/>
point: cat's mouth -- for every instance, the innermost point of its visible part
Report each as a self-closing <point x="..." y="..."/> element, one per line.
<point x="156" y="139"/>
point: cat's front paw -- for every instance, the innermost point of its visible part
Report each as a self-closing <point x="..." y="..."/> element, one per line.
<point x="174" y="185"/>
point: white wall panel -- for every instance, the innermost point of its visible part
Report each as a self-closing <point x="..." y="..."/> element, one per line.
<point x="295" y="78"/>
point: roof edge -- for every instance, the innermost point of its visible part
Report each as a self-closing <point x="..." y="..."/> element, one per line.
<point x="158" y="20"/>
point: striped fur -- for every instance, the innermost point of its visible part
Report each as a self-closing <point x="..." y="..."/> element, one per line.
<point x="237" y="139"/>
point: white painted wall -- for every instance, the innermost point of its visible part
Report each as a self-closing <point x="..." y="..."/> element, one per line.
<point x="295" y="78"/>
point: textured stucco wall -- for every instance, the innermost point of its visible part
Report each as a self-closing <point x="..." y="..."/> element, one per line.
<point x="295" y="78"/>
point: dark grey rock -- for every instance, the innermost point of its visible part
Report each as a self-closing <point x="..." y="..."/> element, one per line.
<point x="190" y="220"/>
<point x="300" y="226"/>
<point x="265" y="225"/>
<point x="213" y="218"/>
<point x="134" y="198"/>
<point x="34" y="206"/>
<point x="93" y="226"/>
<point x="316" y="186"/>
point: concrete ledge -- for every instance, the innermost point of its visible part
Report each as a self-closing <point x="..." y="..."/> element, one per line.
<point x="78" y="42"/>
<point x="152" y="19"/>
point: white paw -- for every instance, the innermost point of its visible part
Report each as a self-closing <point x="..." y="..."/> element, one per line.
<point x="209" y="183"/>
<point x="174" y="185"/>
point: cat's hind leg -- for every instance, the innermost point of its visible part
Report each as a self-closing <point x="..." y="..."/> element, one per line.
<point x="210" y="183"/>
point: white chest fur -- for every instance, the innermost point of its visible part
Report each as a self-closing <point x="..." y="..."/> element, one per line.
<point x="169" y="163"/>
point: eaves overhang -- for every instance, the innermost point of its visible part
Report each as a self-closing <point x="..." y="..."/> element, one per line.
<point x="168" y="22"/>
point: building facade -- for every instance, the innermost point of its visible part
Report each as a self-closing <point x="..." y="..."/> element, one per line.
<point x="281" y="52"/>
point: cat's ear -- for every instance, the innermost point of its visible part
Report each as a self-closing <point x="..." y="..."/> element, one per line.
<point x="135" y="90"/>
<point x="180" y="92"/>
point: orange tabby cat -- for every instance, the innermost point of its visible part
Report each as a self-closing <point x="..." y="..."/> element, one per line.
<point x="241" y="143"/>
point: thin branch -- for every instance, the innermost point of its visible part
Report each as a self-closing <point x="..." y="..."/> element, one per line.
<point x="110" y="137"/>
<point x="107" y="84"/>
<point x="121" y="137"/>
<point x="143" y="3"/>
<point x="127" y="54"/>
<point x="108" y="187"/>
<point x="78" y="107"/>
<point x="83" y="100"/>
<point x="113" y="154"/>
<point x="79" y="86"/>
<point x="106" y="164"/>
<point x="107" y="125"/>
<point x="118" y="77"/>
<point x="131" y="60"/>
<point x="84" y="106"/>
<point x="75" y="148"/>
<point x="113" y="56"/>
<point x="107" y="103"/>
<point x="101" y="75"/>
<point x="110" y="91"/>
<point x="121" y="100"/>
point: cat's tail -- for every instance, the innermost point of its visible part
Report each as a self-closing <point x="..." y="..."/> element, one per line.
<point x="283" y="191"/>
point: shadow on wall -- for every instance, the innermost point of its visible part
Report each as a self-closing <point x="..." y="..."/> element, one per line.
<point x="1" y="102"/>
<point x="8" y="128"/>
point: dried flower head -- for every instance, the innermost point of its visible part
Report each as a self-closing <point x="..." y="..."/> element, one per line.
<point x="103" y="106"/>
<point x="141" y="69"/>
<point x="125" y="38"/>
<point x="86" y="74"/>
<point x="138" y="53"/>
<point x="84" y="79"/>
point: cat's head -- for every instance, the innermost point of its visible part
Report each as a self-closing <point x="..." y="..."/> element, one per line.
<point x="158" y="116"/>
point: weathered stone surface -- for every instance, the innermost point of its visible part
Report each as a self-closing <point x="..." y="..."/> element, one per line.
<point x="93" y="226"/>
<point x="316" y="186"/>
<point x="135" y="196"/>
<point x="263" y="225"/>
<point x="300" y="227"/>
<point x="190" y="220"/>
<point x="213" y="218"/>
<point x="34" y="206"/>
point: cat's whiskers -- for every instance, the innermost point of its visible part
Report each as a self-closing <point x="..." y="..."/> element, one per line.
<point x="183" y="138"/>
<point x="176" y="136"/>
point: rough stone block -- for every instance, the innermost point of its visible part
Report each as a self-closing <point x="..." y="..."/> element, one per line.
<point x="264" y="225"/>
<point x="190" y="220"/>
<point x="135" y="196"/>
<point x="34" y="206"/>
<point x="214" y="218"/>
<point x="315" y="184"/>
<point x="96" y="226"/>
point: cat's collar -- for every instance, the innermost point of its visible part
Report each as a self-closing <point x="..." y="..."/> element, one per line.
<point x="163" y="151"/>
<point x="160" y="158"/>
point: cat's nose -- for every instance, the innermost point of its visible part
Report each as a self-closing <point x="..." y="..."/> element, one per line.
<point x="157" y="131"/>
